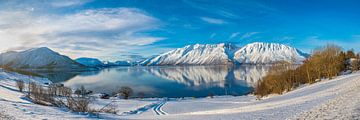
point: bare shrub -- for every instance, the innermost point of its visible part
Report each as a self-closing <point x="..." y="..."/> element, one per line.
<point x="110" y="108"/>
<point x="40" y="95"/>
<point x="78" y="104"/>
<point x="81" y="102"/>
<point x="82" y="91"/>
<point x="126" y="92"/>
<point x="20" y="85"/>
<point x="65" y="91"/>
<point x="56" y="94"/>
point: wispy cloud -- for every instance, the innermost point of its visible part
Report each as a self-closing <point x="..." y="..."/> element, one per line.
<point x="213" y="20"/>
<point x="233" y="35"/>
<point x="212" y="35"/>
<point x="67" y="3"/>
<point x="88" y="33"/>
<point x="249" y="34"/>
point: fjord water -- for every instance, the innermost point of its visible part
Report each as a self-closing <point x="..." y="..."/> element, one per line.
<point x="174" y="81"/>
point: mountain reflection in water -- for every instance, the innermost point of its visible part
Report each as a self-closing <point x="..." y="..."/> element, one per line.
<point x="169" y="81"/>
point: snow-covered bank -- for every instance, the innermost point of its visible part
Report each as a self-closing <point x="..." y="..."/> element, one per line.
<point x="333" y="99"/>
<point x="289" y="105"/>
<point x="345" y="106"/>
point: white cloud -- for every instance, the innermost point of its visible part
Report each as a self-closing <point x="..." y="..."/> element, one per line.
<point x="213" y="20"/>
<point x="287" y="38"/>
<point x="88" y="33"/>
<point x="248" y="35"/>
<point x="67" y="3"/>
<point x="212" y="35"/>
<point x="233" y="35"/>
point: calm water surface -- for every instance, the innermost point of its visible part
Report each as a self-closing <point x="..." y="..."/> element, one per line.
<point x="180" y="81"/>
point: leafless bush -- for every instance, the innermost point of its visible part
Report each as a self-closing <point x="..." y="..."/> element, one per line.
<point x="82" y="91"/>
<point x="58" y="95"/>
<point x="81" y="102"/>
<point x="65" y="91"/>
<point x="111" y="108"/>
<point x="40" y="95"/>
<point x="126" y="92"/>
<point x="20" y="85"/>
<point x="78" y="104"/>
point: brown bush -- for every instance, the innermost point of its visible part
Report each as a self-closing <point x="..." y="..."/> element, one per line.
<point x="20" y="85"/>
<point x="81" y="102"/>
<point x="40" y="95"/>
<point x="126" y="92"/>
<point x="325" y="62"/>
<point x="78" y="104"/>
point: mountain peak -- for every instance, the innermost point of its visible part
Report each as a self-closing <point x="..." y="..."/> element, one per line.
<point x="265" y="53"/>
<point x="41" y="50"/>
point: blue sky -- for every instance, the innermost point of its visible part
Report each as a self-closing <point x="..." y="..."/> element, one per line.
<point x="124" y="29"/>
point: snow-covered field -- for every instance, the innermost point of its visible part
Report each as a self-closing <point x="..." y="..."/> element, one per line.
<point x="329" y="99"/>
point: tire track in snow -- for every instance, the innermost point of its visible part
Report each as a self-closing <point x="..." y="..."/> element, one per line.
<point x="158" y="108"/>
<point x="140" y="110"/>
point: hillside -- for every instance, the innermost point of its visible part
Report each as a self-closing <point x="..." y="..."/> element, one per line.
<point x="38" y="58"/>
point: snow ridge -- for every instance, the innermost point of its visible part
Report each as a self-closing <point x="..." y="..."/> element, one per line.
<point x="90" y="62"/>
<point x="198" y="54"/>
<point x="267" y="53"/>
<point x="226" y="53"/>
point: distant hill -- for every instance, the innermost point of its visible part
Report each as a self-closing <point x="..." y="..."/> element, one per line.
<point x="93" y="62"/>
<point x="38" y="58"/>
<point x="90" y="62"/>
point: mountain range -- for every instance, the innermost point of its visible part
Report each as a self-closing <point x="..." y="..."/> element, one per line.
<point x="225" y="53"/>
<point x="197" y="54"/>
<point x="93" y="62"/>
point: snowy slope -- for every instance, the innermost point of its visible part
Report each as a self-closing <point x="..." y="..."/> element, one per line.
<point x="329" y="99"/>
<point x="90" y="62"/>
<point x="38" y="58"/>
<point x="265" y="53"/>
<point x="198" y="54"/>
<point x="289" y="105"/>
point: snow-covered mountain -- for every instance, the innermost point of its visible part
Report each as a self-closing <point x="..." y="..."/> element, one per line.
<point x="123" y="63"/>
<point x="38" y="58"/>
<point x="267" y="53"/>
<point x="117" y="63"/>
<point x="93" y="62"/>
<point x="90" y="62"/>
<point x="222" y="54"/>
<point x="198" y="54"/>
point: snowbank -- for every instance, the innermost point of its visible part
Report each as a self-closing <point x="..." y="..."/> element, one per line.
<point x="334" y="99"/>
